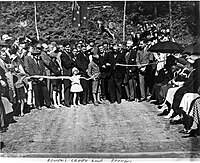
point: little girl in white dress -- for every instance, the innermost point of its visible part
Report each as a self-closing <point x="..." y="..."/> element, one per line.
<point x="75" y="84"/>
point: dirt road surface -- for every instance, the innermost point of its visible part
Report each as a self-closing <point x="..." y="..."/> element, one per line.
<point x="129" y="129"/>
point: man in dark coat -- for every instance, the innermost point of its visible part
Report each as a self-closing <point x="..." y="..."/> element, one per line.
<point x="115" y="73"/>
<point x="82" y="62"/>
<point x="131" y="75"/>
<point x="103" y="78"/>
<point x="67" y="62"/>
<point x="143" y="57"/>
<point x="35" y="66"/>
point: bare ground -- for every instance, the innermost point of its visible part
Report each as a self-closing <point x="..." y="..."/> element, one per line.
<point x="129" y="129"/>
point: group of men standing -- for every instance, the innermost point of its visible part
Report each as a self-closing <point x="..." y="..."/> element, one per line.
<point x="112" y="62"/>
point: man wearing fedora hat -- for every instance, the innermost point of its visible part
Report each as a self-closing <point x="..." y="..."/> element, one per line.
<point x="115" y="73"/>
<point x="131" y="75"/>
<point x="82" y="62"/>
<point x="35" y="66"/>
<point x="67" y="62"/>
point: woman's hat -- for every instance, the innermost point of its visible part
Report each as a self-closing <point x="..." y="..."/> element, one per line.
<point x="5" y="37"/>
<point x="190" y="60"/>
<point x="74" y="69"/>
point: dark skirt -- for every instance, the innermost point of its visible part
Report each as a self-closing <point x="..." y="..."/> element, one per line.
<point x="20" y="93"/>
<point x="56" y="84"/>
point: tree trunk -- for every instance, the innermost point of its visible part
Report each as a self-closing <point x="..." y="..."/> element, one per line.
<point x="155" y="10"/>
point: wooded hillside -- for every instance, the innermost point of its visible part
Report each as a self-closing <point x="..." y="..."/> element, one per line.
<point x="54" y="18"/>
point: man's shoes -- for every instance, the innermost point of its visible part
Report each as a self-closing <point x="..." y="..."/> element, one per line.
<point x="39" y="108"/>
<point x="55" y="106"/>
<point x="52" y="107"/>
<point x="96" y="103"/>
<point x="119" y="101"/>
<point x="90" y="102"/>
<point x="61" y="106"/>
<point x="2" y="130"/>
<point x="175" y="122"/>
<point x="68" y="105"/>
<point x="152" y="101"/>
<point x="164" y="107"/>
<point x="184" y="131"/>
<point x="13" y="121"/>
<point x="142" y="99"/>
<point x="170" y="114"/>
<point x="100" y="102"/>
<point x="131" y="100"/>
<point x="2" y="145"/>
<point x="148" y="99"/>
<point x="165" y="112"/>
<point x="192" y="133"/>
<point x="84" y="103"/>
<point x="112" y="101"/>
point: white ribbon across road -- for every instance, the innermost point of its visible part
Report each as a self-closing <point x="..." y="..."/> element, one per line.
<point x="68" y="77"/>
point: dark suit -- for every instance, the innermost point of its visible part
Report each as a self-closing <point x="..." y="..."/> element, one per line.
<point x="67" y="64"/>
<point x="36" y="67"/>
<point x="104" y="79"/>
<point x="143" y="57"/>
<point x="55" y="69"/>
<point x="131" y="75"/>
<point x="115" y="74"/>
<point x="82" y="62"/>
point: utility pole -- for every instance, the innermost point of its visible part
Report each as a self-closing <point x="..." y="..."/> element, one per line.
<point x="36" y="28"/>
<point x="198" y="18"/>
<point x="124" y="22"/>
<point x="170" y="20"/>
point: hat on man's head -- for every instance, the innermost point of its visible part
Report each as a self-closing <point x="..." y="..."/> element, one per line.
<point x="98" y="42"/>
<point x="5" y="37"/>
<point x="74" y="69"/>
<point x="45" y="46"/>
<point x="53" y="43"/>
<point x="129" y="43"/>
<point x="39" y="46"/>
<point x="36" y="52"/>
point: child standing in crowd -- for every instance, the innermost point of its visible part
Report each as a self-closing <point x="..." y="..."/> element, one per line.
<point x="19" y="76"/>
<point x="76" y="87"/>
<point x="93" y="70"/>
<point x="56" y="83"/>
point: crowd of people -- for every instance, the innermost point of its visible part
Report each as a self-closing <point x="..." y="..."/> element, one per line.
<point x="34" y="75"/>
